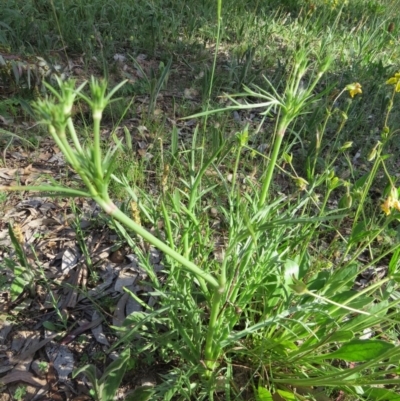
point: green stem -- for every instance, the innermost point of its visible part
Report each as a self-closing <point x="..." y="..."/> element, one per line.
<point x="110" y="208"/>
<point x="214" y="66"/>
<point x="282" y="127"/>
<point x="97" y="114"/>
<point x="219" y="20"/>
<point x="211" y="350"/>
<point x="358" y="311"/>
<point x="364" y="194"/>
<point x="74" y="136"/>
<point x="235" y="170"/>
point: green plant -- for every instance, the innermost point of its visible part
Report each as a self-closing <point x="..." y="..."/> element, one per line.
<point x="105" y="387"/>
<point x="263" y="239"/>
<point x="20" y="393"/>
<point x="24" y="278"/>
<point x="154" y="82"/>
<point x="3" y="197"/>
<point x="43" y="366"/>
<point x="12" y="136"/>
<point x="277" y="300"/>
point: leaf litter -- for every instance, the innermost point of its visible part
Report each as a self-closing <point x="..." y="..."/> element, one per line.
<point x="60" y="324"/>
<point x="62" y="295"/>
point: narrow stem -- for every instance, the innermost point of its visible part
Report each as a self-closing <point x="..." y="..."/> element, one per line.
<point x="325" y="201"/>
<point x="341" y="377"/>
<point x="235" y="170"/>
<point x="65" y="148"/>
<point x="319" y="140"/>
<point x="74" y="136"/>
<point x="334" y="382"/>
<point x="361" y="312"/>
<point x="364" y="194"/>
<point x="211" y="350"/>
<point x="282" y="127"/>
<point x="214" y="66"/>
<point x="97" y="114"/>
<point x="389" y="107"/>
<point x="110" y="208"/>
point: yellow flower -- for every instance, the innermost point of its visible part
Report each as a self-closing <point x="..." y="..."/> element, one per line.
<point x="392" y="202"/>
<point x="395" y="80"/>
<point x="354" y="89"/>
<point x="387" y="205"/>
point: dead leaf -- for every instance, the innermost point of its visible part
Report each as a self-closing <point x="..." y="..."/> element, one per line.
<point x="69" y="259"/>
<point x="98" y="330"/>
<point x="26" y="377"/>
<point x="6" y="327"/>
<point x="79" y="330"/>
<point x="119" y="313"/>
<point x="125" y="279"/>
<point x="62" y="358"/>
<point x="28" y="353"/>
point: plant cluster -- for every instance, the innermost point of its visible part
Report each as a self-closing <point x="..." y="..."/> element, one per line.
<point x="258" y="298"/>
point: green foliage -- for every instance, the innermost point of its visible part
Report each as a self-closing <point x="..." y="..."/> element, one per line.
<point x="154" y="82"/>
<point x="20" y="393"/>
<point x="105" y="387"/>
<point x="267" y="249"/>
<point x="21" y="268"/>
<point x="259" y="270"/>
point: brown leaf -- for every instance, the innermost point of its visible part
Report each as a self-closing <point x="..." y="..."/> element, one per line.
<point x="27" y="377"/>
<point x="79" y="330"/>
<point x="32" y="350"/>
<point x="119" y="313"/>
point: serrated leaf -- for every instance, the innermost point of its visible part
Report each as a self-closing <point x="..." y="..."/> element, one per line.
<point x="88" y="370"/>
<point x="346" y="275"/>
<point x="359" y="233"/>
<point x="319" y="281"/>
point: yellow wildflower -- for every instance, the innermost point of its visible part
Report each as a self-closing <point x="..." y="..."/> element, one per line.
<point x="354" y="89"/>
<point x="392" y="202"/>
<point x="395" y="80"/>
<point x="387" y="205"/>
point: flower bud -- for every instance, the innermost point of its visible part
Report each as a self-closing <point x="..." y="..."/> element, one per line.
<point x="287" y="157"/>
<point x="346" y="145"/>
